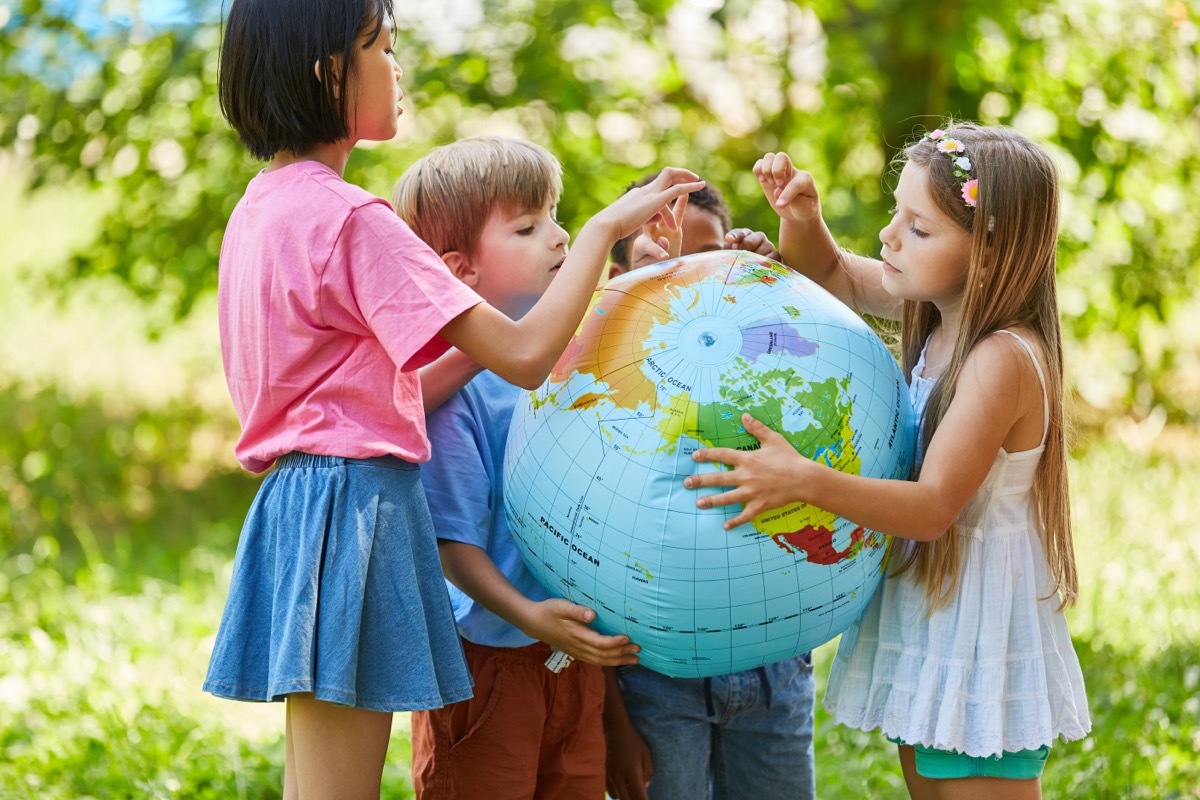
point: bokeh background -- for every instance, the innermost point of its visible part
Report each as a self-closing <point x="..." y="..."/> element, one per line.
<point x="120" y="500"/>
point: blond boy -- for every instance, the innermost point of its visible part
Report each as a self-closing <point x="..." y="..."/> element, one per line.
<point x="487" y="207"/>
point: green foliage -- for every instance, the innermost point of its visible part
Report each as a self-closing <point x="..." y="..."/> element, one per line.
<point x="93" y="705"/>
<point x="617" y="89"/>
<point x="138" y="113"/>
<point x="121" y="488"/>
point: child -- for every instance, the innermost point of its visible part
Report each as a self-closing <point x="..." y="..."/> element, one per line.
<point x="487" y="206"/>
<point x="748" y="734"/>
<point x="328" y="304"/>
<point x="702" y="223"/>
<point x="963" y="656"/>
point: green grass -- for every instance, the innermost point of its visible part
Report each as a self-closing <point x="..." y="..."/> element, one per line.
<point x="100" y="671"/>
<point x="100" y="695"/>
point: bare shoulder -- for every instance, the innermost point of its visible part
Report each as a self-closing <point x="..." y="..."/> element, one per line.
<point x="1003" y="382"/>
<point x="1004" y="352"/>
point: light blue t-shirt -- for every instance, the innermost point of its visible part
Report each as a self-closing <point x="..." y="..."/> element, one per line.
<point x="465" y="485"/>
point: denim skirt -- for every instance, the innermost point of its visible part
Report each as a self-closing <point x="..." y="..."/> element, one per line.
<point x="337" y="590"/>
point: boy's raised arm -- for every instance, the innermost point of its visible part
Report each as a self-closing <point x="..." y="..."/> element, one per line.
<point x="442" y="379"/>
<point x="524" y="351"/>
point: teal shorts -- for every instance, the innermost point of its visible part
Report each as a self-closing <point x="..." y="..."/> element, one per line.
<point x="1022" y="765"/>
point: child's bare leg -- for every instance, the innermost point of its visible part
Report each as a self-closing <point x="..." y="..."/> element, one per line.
<point x="920" y="788"/>
<point x="335" y="751"/>
<point x="290" y="790"/>
<point x="989" y="789"/>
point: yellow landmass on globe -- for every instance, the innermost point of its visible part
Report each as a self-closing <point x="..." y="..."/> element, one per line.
<point x="680" y="415"/>
<point x="810" y="529"/>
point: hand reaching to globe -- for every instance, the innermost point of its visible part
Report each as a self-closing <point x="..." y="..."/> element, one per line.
<point x="559" y="623"/>
<point x="763" y="479"/>
<point x="753" y="241"/>
<point x="565" y="626"/>
<point x="805" y="243"/>
<point x="648" y="205"/>
<point x="791" y="192"/>
<point x="669" y="234"/>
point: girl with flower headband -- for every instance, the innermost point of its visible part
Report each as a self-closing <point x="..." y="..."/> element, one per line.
<point x="963" y="656"/>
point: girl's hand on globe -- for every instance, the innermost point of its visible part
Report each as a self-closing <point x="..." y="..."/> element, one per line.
<point x="791" y="191"/>
<point x="565" y="626"/>
<point x="763" y="479"/>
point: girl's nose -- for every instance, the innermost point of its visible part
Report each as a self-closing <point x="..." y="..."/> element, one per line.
<point x="885" y="235"/>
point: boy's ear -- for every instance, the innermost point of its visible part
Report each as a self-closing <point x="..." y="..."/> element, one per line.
<point x="461" y="267"/>
<point x="616" y="268"/>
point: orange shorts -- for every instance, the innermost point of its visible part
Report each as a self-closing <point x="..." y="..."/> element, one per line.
<point x="527" y="732"/>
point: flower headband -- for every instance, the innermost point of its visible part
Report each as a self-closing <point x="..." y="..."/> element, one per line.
<point x="962" y="165"/>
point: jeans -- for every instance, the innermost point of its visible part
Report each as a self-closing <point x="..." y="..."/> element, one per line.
<point x="746" y="735"/>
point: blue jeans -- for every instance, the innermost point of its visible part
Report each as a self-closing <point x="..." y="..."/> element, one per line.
<point x="746" y="735"/>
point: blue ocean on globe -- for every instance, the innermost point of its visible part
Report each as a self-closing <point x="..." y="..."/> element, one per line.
<point x="664" y="363"/>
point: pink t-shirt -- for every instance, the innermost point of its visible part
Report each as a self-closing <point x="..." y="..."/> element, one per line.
<point x="328" y="303"/>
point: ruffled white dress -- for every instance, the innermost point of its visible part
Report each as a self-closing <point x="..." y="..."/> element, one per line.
<point x="994" y="670"/>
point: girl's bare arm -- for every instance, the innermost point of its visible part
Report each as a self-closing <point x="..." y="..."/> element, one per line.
<point x="996" y="404"/>
<point x="808" y="247"/>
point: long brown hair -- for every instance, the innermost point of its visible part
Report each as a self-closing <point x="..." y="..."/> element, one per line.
<point x="1010" y="283"/>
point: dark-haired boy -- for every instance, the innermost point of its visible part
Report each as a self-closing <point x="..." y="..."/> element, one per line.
<point x="748" y="734"/>
<point x="703" y="223"/>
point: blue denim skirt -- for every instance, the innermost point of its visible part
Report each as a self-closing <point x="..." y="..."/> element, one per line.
<point x="337" y="590"/>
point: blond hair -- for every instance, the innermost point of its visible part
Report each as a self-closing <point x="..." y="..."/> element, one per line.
<point x="1010" y="283"/>
<point x="447" y="195"/>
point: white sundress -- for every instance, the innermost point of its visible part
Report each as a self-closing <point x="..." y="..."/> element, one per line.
<point x="993" y="670"/>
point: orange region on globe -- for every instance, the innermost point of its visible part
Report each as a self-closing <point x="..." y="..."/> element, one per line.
<point x="613" y="333"/>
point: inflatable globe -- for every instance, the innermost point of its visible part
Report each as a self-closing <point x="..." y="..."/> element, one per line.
<point x="665" y="362"/>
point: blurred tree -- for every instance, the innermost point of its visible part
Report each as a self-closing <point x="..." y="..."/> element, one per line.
<point x="134" y="109"/>
<point x="619" y="88"/>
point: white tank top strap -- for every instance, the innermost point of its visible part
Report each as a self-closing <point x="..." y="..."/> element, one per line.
<point x="1041" y="379"/>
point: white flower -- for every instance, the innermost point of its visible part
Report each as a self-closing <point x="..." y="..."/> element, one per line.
<point x="963" y="163"/>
